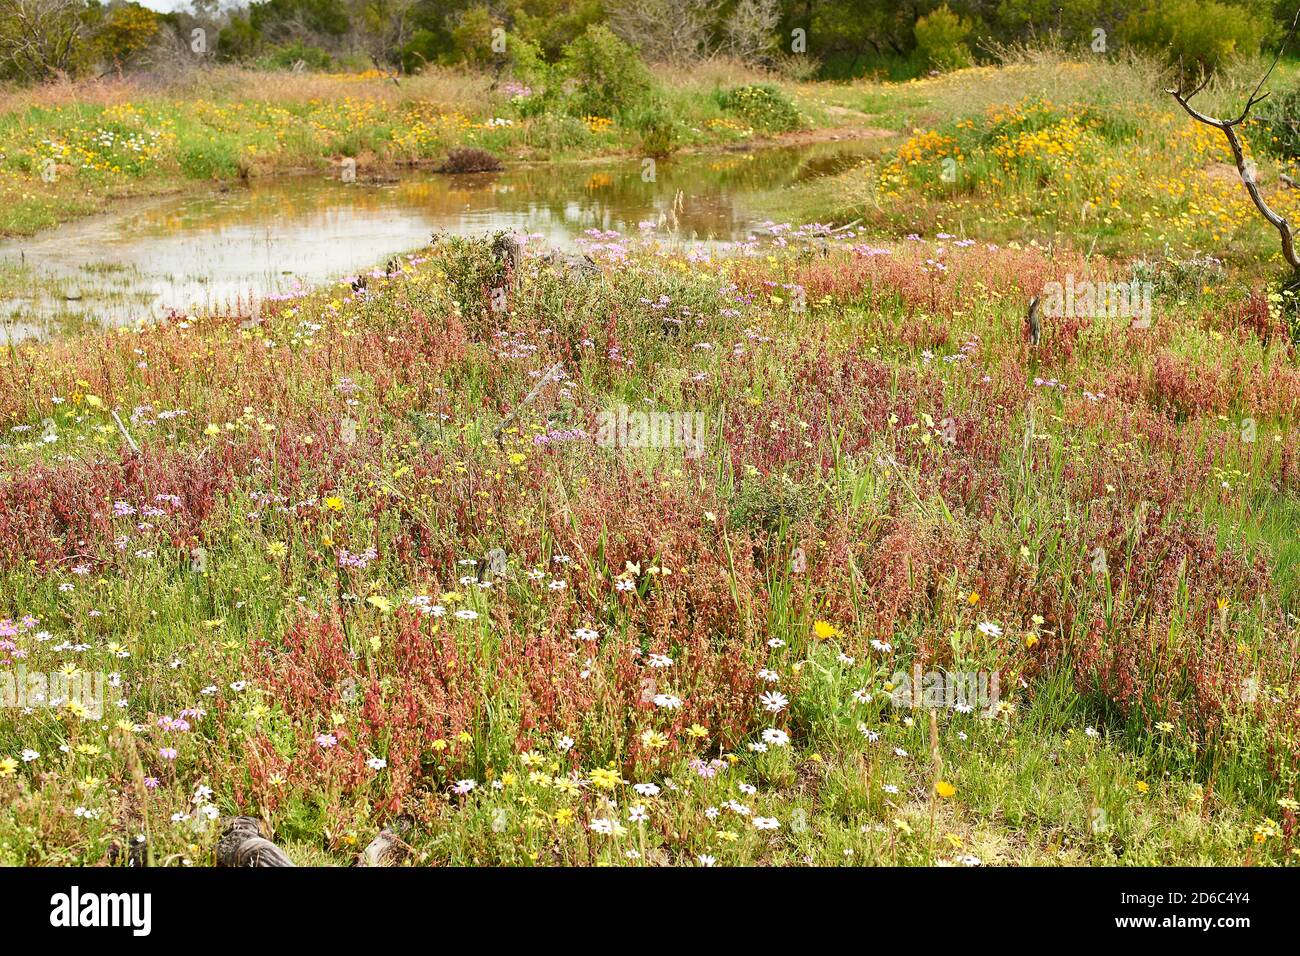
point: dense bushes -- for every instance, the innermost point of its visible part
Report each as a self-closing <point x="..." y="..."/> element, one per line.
<point x="941" y="40"/>
<point x="1197" y="34"/>
<point x="608" y="74"/>
<point x="840" y="39"/>
<point x="597" y="80"/>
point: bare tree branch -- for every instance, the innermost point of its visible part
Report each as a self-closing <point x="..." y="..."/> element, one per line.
<point x="1229" y="130"/>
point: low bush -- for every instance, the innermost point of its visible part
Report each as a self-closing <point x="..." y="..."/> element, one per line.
<point x="941" y="40"/>
<point x="763" y="107"/>
<point x="469" y="159"/>
<point x="606" y="76"/>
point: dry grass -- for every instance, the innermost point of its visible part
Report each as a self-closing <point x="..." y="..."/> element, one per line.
<point x="238" y="83"/>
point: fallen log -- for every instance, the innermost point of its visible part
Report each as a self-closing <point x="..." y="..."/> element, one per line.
<point x="387" y="849"/>
<point x="242" y="844"/>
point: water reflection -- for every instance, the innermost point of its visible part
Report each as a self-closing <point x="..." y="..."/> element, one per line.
<point x="276" y="235"/>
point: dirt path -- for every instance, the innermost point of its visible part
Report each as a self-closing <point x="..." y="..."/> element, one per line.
<point x="807" y="137"/>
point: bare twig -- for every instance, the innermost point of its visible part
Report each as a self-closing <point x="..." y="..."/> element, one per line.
<point x="1229" y="130"/>
<point x="125" y="434"/>
<point x="550" y="373"/>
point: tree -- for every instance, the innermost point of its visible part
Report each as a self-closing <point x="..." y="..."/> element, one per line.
<point x="128" y="30"/>
<point x="382" y="28"/>
<point x="665" y="31"/>
<point x="1246" y="170"/>
<point x="1198" y="34"/>
<point x="472" y="36"/>
<point x="941" y="39"/>
<point x="750" y="31"/>
<point x="610" y="76"/>
<point x="41" y="39"/>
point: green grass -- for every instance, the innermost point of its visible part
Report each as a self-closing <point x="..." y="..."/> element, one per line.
<point x="891" y="478"/>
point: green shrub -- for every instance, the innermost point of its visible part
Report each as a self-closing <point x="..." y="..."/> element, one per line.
<point x="941" y="40"/>
<point x="238" y="40"/>
<point x="1279" y="117"/>
<point x="767" y="505"/>
<point x="556" y="132"/>
<point x="208" y="160"/>
<point x="1288" y="305"/>
<point x="284" y="57"/>
<point x="608" y="76"/>
<point x="535" y="84"/>
<point x="659" y="131"/>
<point x="472" y="37"/>
<point x="1197" y="34"/>
<point x="763" y="107"/>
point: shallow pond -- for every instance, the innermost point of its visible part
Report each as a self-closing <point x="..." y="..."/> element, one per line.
<point x="226" y="248"/>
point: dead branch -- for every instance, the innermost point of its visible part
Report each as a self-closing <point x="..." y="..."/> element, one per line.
<point x="1229" y="130"/>
<point x="125" y="434"/>
<point x="387" y="848"/>
<point x="502" y="425"/>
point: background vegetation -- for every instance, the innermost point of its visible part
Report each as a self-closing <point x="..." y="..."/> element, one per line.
<point x="812" y="38"/>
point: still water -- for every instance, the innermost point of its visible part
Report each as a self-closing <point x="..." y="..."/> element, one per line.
<point x="223" y="248"/>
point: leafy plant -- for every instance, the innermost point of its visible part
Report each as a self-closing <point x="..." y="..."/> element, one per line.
<point x="1279" y="116"/>
<point x="1196" y="35"/>
<point x="606" y="75"/>
<point x="941" y="40"/>
<point x="764" y="107"/>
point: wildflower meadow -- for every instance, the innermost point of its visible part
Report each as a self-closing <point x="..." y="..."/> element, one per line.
<point x="947" y="515"/>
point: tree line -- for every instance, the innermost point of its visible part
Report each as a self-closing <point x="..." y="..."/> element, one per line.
<point x="829" y="39"/>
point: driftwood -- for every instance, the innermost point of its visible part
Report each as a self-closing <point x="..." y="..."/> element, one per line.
<point x="1229" y="130"/>
<point x="495" y="564"/>
<point x="387" y="848"/>
<point x="242" y="844"/>
<point x="135" y="853"/>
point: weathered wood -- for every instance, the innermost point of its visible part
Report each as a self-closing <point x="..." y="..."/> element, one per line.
<point x="495" y="564"/>
<point x="1033" y="328"/>
<point x="1229" y="129"/>
<point x="387" y="849"/>
<point x="502" y="425"/>
<point x="509" y="250"/>
<point x="134" y="853"/>
<point x="242" y="844"/>
<point x="125" y="434"/>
